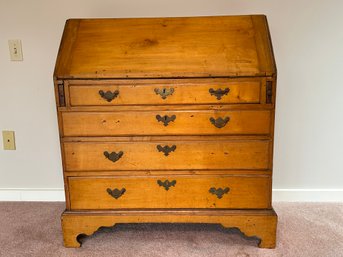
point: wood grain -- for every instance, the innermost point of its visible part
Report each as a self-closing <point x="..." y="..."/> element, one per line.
<point x="66" y="47"/>
<point x="145" y="138"/>
<point x="176" y="107"/>
<point x="87" y="173"/>
<point x="197" y="155"/>
<point x="145" y="123"/>
<point x="250" y="192"/>
<point x="191" y="55"/>
<point x="264" y="44"/>
<point x="257" y="223"/>
<point x="187" y="93"/>
<point x="164" y="47"/>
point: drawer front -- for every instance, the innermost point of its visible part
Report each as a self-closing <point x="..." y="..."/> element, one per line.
<point x="172" y="155"/>
<point x="165" y="123"/>
<point x="170" y="192"/>
<point x="228" y="92"/>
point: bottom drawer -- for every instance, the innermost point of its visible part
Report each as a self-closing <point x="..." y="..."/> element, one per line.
<point x="181" y="191"/>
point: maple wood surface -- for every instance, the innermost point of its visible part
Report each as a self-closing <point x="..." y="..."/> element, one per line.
<point x="146" y="156"/>
<point x="165" y="47"/>
<point x="146" y="123"/>
<point x="146" y="104"/>
<point x="246" y="192"/>
<point x="189" y="93"/>
<point x="253" y="223"/>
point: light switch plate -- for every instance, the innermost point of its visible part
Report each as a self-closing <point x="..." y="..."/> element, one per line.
<point x="16" y="52"/>
<point x="8" y="140"/>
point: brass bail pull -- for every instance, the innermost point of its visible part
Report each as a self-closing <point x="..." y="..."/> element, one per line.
<point x="113" y="156"/>
<point x="166" y="184"/>
<point x="219" y="122"/>
<point x="116" y="193"/>
<point x="166" y="149"/>
<point x="219" y="93"/>
<point x="219" y="192"/>
<point x="108" y="95"/>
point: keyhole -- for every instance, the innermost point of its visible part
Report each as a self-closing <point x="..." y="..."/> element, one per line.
<point x="164" y="90"/>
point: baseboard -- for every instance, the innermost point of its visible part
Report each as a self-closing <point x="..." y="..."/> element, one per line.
<point x="308" y="195"/>
<point x="279" y="195"/>
<point x="32" y="194"/>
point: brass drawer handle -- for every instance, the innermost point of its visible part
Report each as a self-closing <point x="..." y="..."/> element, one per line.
<point x="220" y="122"/>
<point x="113" y="156"/>
<point x="108" y="95"/>
<point x="164" y="92"/>
<point x="219" y="93"/>
<point x="116" y="193"/>
<point x="166" y="149"/>
<point x="219" y="192"/>
<point x="165" y="119"/>
<point x="166" y="184"/>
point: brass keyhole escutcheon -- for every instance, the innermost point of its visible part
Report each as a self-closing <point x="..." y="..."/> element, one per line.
<point x="164" y="92"/>
<point x="165" y="119"/>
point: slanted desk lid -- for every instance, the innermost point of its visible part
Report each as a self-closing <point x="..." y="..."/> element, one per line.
<point x="223" y="46"/>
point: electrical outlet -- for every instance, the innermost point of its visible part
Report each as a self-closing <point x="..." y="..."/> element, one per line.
<point x="8" y="140"/>
<point x="16" y="52"/>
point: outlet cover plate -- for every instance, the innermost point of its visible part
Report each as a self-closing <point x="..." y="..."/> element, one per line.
<point x="16" y="52"/>
<point x="8" y="140"/>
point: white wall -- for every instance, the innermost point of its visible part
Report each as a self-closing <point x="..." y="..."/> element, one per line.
<point x="308" y="44"/>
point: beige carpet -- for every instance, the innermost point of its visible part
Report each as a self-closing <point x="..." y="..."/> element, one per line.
<point x="306" y="230"/>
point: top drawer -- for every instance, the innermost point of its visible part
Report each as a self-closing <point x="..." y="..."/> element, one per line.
<point x="161" y="92"/>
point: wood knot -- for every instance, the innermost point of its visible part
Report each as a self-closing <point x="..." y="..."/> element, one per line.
<point x="149" y="42"/>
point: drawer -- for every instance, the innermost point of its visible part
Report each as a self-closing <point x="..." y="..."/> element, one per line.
<point x="205" y="122"/>
<point x="158" y="93"/>
<point x="198" y="191"/>
<point x="167" y="155"/>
